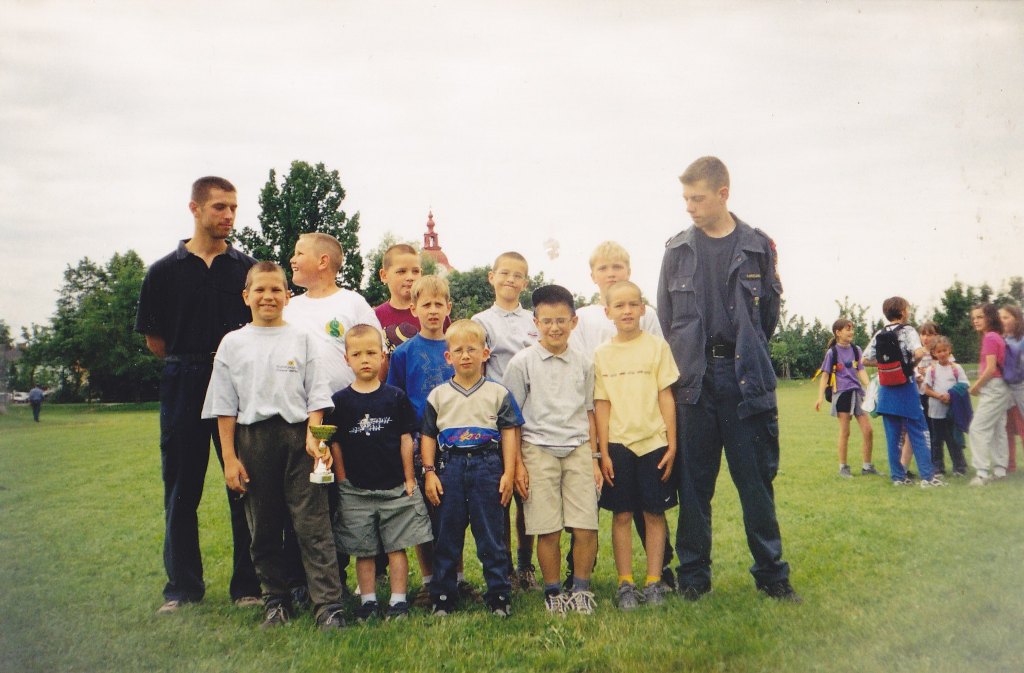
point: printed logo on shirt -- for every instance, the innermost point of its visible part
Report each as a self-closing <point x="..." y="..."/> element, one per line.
<point x="368" y="425"/>
<point x="334" y="328"/>
<point x="289" y="368"/>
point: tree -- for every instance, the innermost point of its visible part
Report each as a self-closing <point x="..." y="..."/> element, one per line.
<point x="954" y="319"/>
<point x="307" y="200"/>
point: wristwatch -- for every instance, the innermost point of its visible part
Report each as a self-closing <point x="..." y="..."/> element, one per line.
<point x="428" y="468"/>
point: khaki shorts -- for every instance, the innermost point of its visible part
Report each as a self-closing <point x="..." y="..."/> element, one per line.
<point x="562" y="490"/>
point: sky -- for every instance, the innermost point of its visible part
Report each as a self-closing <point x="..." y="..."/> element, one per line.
<point x="878" y="143"/>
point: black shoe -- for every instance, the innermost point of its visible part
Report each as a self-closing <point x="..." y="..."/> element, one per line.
<point x="668" y="577"/>
<point x="397" y="611"/>
<point x="911" y="475"/>
<point x="693" y="592"/>
<point x="277" y="614"/>
<point x="300" y="598"/>
<point x="781" y="591"/>
<point x="332" y="618"/>
<point x="499" y="605"/>
<point x="367" y="611"/>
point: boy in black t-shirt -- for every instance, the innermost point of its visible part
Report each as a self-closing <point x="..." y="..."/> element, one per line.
<point x="380" y="509"/>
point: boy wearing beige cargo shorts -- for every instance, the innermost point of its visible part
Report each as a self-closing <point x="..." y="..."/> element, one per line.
<point x="554" y="388"/>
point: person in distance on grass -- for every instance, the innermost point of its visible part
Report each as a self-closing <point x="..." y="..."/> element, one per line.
<point x="380" y="508"/>
<point x="989" y="452"/>
<point x="843" y="369"/>
<point x="553" y="385"/>
<point x="418" y="366"/>
<point x="636" y="432"/>
<point x="510" y="328"/>
<point x="326" y="312"/>
<point x="470" y="451"/>
<point x="268" y="386"/>
<point x="719" y="296"/>
<point x="400" y="268"/>
<point x="189" y="300"/>
<point x="939" y="380"/>
<point x="899" y="405"/>
<point x="1013" y="333"/>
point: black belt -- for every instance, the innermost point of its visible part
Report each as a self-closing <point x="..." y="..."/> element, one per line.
<point x="190" y="358"/>
<point x="474" y="451"/>
<point x="721" y="351"/>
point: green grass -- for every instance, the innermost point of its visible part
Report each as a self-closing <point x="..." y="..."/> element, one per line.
<point x="892" y="579"/>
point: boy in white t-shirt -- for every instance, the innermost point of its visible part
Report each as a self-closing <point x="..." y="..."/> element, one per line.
<point x="267" y="387"/>
<point x="325" y="310"/>
<point x="939" y="379"/>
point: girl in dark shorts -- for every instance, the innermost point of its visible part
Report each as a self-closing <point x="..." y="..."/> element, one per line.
<point x="843" y="372"/>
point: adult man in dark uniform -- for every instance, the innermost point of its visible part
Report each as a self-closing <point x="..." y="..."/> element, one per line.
<point x="719" y="296"/>
<point x="190" y="299"/>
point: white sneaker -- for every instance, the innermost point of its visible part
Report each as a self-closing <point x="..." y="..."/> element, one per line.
<point x="979" y="481"/>
<point x="582" y="602"/>
<point x="933" y="482"/>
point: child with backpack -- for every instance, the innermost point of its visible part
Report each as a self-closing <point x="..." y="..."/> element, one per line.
<point x="1013" y="374"/>
<point x="843" y="382"/>
<point x="988" y="429"/>
<point x="940" y="379"/>
<point x="893" y="350"/>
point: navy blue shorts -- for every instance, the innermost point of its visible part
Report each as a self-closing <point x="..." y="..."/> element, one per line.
<point x="638" y="485"/>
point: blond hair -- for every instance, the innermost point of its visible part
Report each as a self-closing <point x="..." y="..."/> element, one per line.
<point x="325" y="244"/>
<point x="710" y="169"/>
<point x="463" y="330"/>
<point x="362" y="329"/>
<point x="396" y="249"/>
<point x="265" y="267"/>
<point x="435" y="286"/>
<point x="511" y="254"/>
<point x="623" y="285"/>
<point x="609" y="251"/>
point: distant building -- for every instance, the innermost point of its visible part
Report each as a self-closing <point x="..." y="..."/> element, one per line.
<point x="432" y="248"/>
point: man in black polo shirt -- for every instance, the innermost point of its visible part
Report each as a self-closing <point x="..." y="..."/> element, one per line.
<point x="719" y="297"/>
<point x="190" y="299"/>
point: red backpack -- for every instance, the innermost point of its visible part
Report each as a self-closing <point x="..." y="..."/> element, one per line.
<point x="895" y="367"/>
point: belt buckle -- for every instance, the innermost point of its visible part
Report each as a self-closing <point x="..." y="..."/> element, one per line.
<point x="718" y="351"/>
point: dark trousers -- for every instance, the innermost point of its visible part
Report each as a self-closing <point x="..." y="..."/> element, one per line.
<point x="274" y="455"/>
<point x="184" y="456"/>
<point x="752" y="451"/>
<point x="944" y="432"/>
<point x="36" y="408"/>
<point x="470" y="498"/>
<point x="296" y="575"/>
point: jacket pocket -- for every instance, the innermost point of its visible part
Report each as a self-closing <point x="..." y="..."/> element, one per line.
<point x="684" y="297"/>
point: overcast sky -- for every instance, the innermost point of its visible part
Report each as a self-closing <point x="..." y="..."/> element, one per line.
<point x="879" y="143"/>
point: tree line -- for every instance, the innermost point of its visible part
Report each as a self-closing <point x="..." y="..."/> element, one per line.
<point x="88" y="350"/>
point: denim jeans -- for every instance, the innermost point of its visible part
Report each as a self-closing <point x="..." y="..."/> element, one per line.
<point x="184" y="456"/>
<point x="751" y="447"/>
<point x="470" y="484"/>
<point x="918" y="433"/>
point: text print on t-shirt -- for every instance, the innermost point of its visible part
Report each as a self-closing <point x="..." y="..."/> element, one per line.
<point x="368" y="425"/>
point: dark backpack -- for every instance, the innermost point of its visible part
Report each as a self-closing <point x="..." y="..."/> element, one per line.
<point x="1013" y="366"/>
<point x="894" y="366"/>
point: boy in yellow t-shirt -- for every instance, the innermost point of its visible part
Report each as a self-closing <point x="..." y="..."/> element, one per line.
<point x="636" y="430"/>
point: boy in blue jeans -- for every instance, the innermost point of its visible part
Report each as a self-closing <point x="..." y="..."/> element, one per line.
<point x="267" y="387"/>
<point x="473" y="421"/>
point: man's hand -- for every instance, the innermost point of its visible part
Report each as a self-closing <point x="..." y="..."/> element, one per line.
<point x="432" y="488"/>
<point x="235" y="475"/>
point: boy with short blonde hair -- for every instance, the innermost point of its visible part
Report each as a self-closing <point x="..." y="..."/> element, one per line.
<point x="469" y="456"/>
<point x="636" y="430"/>
<point x="400" y="268"/>
<point x="267" y="387"/>
<point x="380" y="508"/>
<point x="510" y="329"/>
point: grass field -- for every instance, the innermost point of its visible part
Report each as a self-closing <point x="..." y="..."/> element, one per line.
<point x="892" y="579"/>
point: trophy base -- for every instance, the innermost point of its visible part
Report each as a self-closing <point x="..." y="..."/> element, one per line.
<point x="321" y="477"/>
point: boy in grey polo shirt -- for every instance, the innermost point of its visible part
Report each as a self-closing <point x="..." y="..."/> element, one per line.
<point x="510" y="329"/>
<point x="554" y="387"/>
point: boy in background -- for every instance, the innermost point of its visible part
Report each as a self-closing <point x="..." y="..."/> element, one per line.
<point x="510" y="328"/>
<point x="400" y="268"/>
<point x="268" y="385"/>
<point x="554" y="387"/>
<point x="469" y="459"/>
<point x="417" y="367"/>
<point x="380" y="508"/>
<point x="636" y="430"/>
